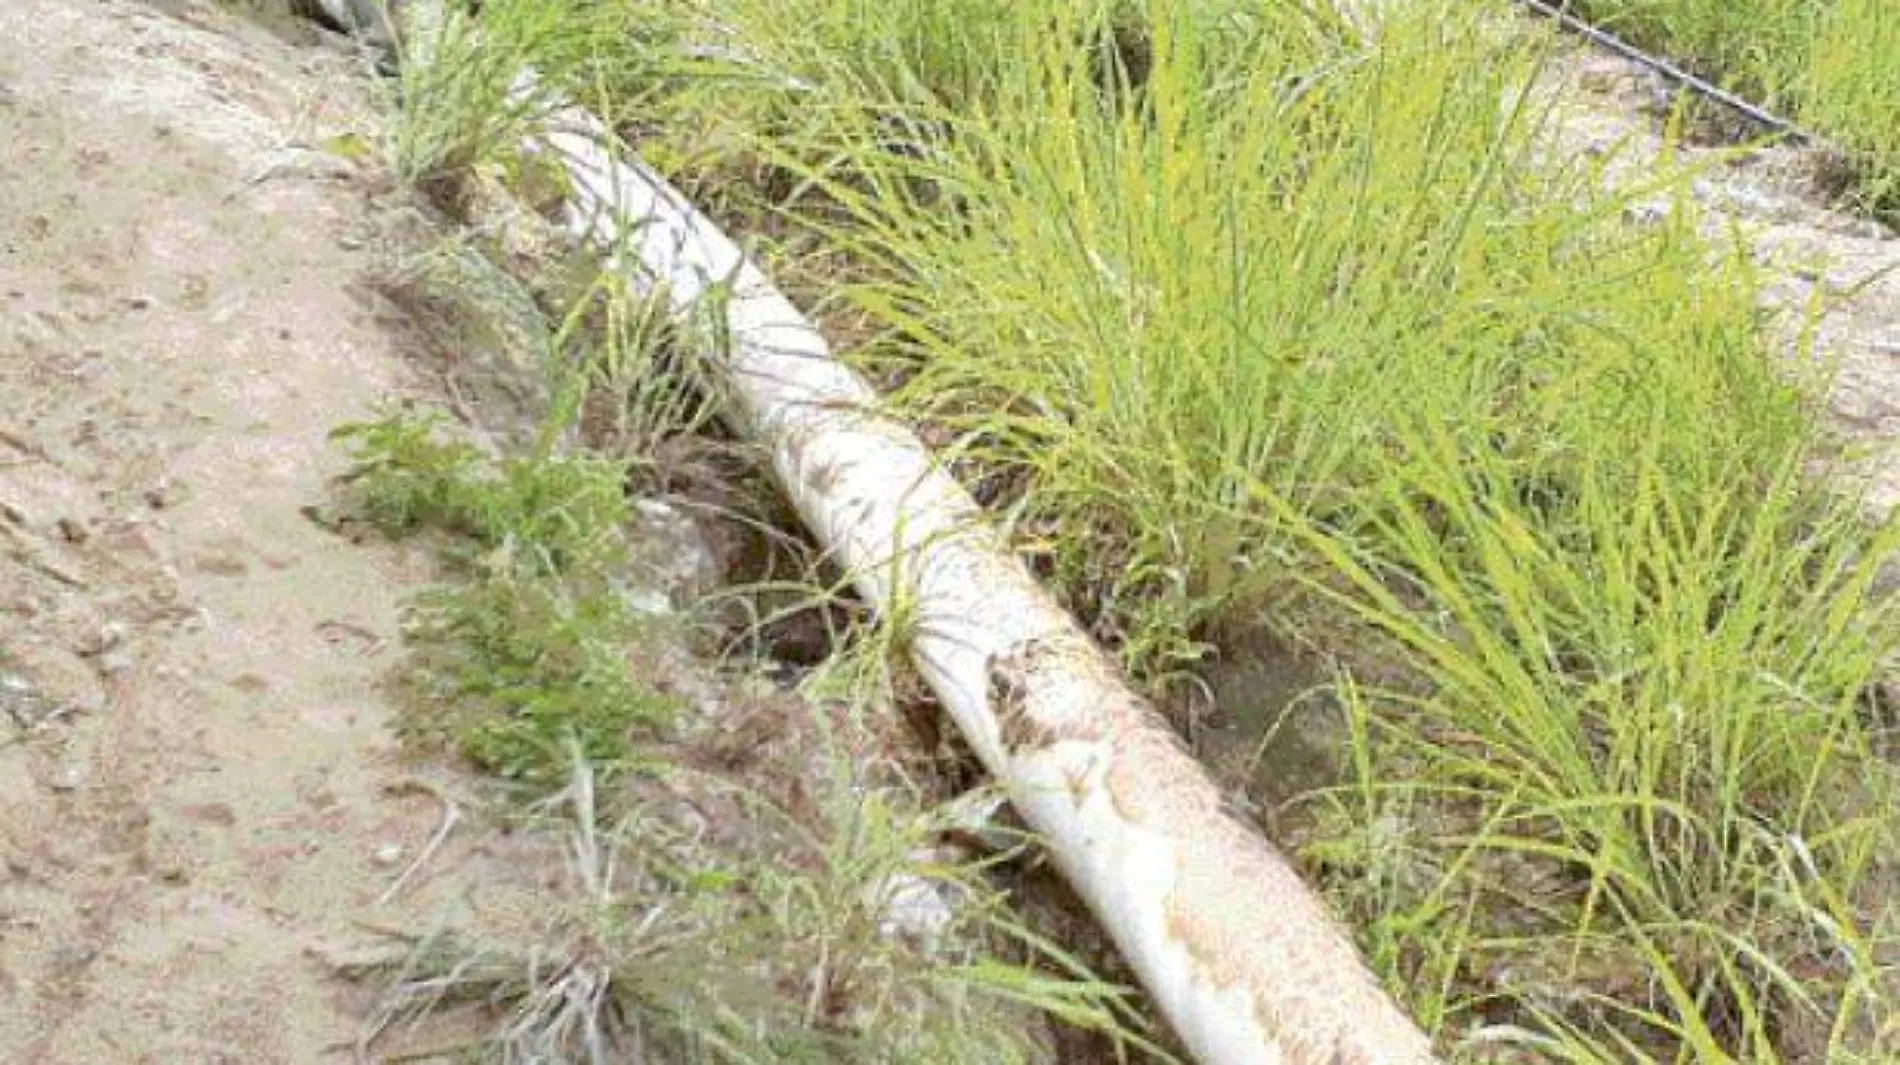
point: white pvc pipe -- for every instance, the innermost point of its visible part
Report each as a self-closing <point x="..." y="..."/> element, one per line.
<point x="1240" y="956"/>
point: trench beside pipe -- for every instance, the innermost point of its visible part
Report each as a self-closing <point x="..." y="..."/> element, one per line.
<point x="1241" y="958"/>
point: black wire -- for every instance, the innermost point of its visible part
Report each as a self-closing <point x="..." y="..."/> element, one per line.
<point x="1610" y="42"/>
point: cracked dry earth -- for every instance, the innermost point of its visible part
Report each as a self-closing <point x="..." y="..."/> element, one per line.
<point x="201" y="803"/>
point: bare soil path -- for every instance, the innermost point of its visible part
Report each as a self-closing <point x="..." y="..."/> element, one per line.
<point x="200" y="798"/>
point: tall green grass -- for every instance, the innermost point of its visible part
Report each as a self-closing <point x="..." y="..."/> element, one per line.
<point x="1249" y="321"/>
<point x="1830" y="63"/>
<point x="1294" y="329"/>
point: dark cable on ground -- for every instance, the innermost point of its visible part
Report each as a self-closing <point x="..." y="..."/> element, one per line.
<point x="1612" y="43"/>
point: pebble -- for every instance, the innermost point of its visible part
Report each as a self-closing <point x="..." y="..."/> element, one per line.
<point x="1648" y="212"/>
<point x="387" y="855"/>
<point x="16" y="688"/>
<point x="161" y="495"/>
<point x="915" y="909"/>
<point x="647" y="602"/>
<point x="109" y="637"/>
<point x="19" y="699"/>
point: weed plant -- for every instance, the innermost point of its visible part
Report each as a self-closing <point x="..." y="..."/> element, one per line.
<point x="769" y="944"/>
<point x="531" y="651"/>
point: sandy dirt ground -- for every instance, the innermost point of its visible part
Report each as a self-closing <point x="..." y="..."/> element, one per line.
<point x="203" y="803"/>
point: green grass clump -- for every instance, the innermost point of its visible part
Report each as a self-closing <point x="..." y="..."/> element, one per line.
<point x="1162" y="314"/>
<point x="1641" y="780"/>
<point x="531" y="649"/>
<point x="1278" y="325"/>
<point x="466" y="107"/>
<point x="1829" y="63"/>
